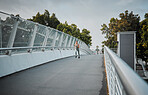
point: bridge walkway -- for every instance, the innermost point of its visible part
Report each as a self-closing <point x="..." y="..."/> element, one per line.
<point x="69" y="76"/>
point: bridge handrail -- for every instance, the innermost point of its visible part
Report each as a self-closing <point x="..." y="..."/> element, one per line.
<point x="132" y="83"/>
<point x="8" y="51"/>
<point x="33" y="31"/>
<point x="16" y="48"/>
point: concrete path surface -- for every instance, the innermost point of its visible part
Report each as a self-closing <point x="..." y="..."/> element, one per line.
<point x="69" y="76"/>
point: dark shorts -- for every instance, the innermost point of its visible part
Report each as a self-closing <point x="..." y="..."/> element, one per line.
<point x="77" y="48"/>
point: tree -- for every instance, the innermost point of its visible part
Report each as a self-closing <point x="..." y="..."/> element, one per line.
<point x="39" y="18"/>
<point x="46" y="19"/>
<point x="146" y="16"/>
<point x="52" y="21"/>
<point x="60" y="27"/>
<point x="85" y="36"/>
<point x="142" y="40"/>
<point x="75" y="31"/>
<point x="65" y="28"/>
<point x="127" y="22"/>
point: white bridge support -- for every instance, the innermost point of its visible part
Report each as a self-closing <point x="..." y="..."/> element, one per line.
<point x="33" y="36"/>
<point x="61" y="39"/>
<point x="18" y="62"/>
<point x="54" y="39"/>
<point x="13" y="33"/>
<point x="27" y="44"/>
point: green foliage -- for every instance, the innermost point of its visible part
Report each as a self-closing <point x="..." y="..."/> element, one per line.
<point x="75" y="31"/>
<point x="52" y="21"/>
<point x="85" y="36"/>
<point x="128" y="22"/>
<point x="46" y="19"/>
<point x="142" y="40"/>
<point x="146" y="16"/>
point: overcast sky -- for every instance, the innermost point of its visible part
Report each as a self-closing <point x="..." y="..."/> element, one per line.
<point x="89" y="14"/>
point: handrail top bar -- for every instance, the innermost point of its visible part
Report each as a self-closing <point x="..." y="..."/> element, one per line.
<point x="133" y="83"/>
<point x="5" y="13"/>
<point x="14" y="48"/>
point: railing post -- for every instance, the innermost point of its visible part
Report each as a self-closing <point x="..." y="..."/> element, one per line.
<point x="69" y="42"/>
<point x="54" y="39"/>
<point x="65" y="43"/>
<point x="33" y="36"/>
<point x="13" y="33"/>
<point x="61" y="40"/>
<point x="72" y="45"/>
<point x="0" y="33"/>
<point x="79" y="42"/>
<point x="46" y="37"/>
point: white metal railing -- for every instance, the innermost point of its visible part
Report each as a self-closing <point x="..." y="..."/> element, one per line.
<point x="19" y="34"/>
<point x="121" y="79"/>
